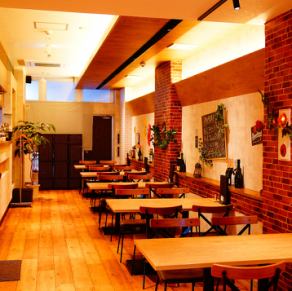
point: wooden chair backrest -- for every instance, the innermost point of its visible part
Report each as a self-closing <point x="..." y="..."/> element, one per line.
<point x="139" y="177"/>
<point x="155" y="186"/>
<point x="107" y="162"/>
<point x="94" y="168"/>
<point x="234" y="220"/>
<point x="171" y="191"/>
<point x="163" y="211"/>
<point x="110" y="177"/>
<point x="123" y="167"/>
<point x="174" y="222"/>
<point x="132" y="192"/>
<point x="87" y="162"/>
<point x="123" y="186"/>
<point x="230" y="273"/>
<point x="212" y="209"/>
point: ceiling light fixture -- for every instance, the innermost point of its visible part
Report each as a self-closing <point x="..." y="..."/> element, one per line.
<point x="236" y="4"/>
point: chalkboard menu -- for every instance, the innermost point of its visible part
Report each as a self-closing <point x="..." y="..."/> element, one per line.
<point x="213" y="136"/>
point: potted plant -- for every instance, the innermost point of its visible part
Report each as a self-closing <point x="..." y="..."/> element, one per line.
<point x="28" y="136"/>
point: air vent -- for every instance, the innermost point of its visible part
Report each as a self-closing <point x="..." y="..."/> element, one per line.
<point x="52" y="65"/>
<point x="42" y="64"/>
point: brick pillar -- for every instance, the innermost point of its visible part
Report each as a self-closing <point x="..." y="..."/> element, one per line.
<point x="277" y="175"/>
<point x="167" y="110"/>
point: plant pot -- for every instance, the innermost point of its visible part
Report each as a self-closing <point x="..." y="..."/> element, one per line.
<point x="26" y="195"/>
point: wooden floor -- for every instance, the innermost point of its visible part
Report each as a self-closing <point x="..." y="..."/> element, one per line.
<point x="62" y="249"/>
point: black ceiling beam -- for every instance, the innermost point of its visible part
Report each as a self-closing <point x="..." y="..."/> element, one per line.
<point x="155" y="38"/>
<point x="210" y="10"/>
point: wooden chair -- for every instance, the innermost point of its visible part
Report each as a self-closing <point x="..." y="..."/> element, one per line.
<point x="148" y="213"/>
<point x="107" y="162"/>
<point x="202" y="210"/>
<point x="94" y="168"/>
<point x="132" y="225"/>
<point x="123" y="168"/>
<point x="136" y="177"/>
<point x="154" y="186"/>
<point x="87" y="162"/>
<point x="109" y="177"/>
<point x="171" y="192"/>
<point x="218" y="222"/>
<point x="267" y="276"/>
<point x="177" y="276"/>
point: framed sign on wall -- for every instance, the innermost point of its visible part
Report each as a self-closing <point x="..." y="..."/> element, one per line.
<point x="214" y="136"/>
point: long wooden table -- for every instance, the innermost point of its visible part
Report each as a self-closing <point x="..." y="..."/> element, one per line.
<point x="203" y="252"/>
<point x="100" y="186"/>
<point x="133" y="205"/>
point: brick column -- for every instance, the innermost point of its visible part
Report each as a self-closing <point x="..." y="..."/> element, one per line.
<point x="277" y="175"/>
<point x="167" y="110"/>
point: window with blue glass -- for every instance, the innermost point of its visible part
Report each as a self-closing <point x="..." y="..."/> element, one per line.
<point x="60" y="90"/>
<point x="32" y="90"/>
<point x="94" y="95"/>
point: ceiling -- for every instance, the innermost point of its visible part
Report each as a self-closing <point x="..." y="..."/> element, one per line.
<point x="100" y="50"/>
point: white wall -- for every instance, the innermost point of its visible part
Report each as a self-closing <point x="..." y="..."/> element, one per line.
<point x="242" y="113"/>
<point x="140" y="125"/>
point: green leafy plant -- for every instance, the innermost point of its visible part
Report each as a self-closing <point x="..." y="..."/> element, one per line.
<point x="203" y="154"/>
<point x="162" y="137"/>
<point x="28" y="136"/>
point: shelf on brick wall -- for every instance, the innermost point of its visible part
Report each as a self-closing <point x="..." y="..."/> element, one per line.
<point x="243" y="191"/>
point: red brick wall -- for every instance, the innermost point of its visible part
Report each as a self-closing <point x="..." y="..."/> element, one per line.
<point x="167" y="110"/>
<point x="277" y="175"/>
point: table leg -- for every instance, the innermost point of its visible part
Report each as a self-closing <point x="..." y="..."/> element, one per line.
<point x="208" y="280"/>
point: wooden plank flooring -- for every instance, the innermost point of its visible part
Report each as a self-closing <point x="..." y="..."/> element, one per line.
<point x="62" y="249"/>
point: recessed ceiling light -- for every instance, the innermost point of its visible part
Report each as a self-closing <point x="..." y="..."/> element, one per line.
<point x="182" y="46"/>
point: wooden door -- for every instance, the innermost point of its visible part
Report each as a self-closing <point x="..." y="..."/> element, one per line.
<point x="102" y="138"/>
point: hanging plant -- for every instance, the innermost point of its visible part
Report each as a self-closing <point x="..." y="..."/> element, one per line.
<point x="219" y="117"/>
<point x="163" y="137"/>
<point x="271" y="113"/>
<point x="203" y="154"/>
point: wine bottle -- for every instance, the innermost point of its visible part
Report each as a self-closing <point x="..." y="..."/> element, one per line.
<point x="238" y="178"/>
<point x="182" y="165"/>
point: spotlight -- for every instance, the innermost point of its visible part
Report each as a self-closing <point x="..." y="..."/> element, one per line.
<point x="236" y="4"/>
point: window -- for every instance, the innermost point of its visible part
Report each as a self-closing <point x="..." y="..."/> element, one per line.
<point x="32" y="90"/>
<point x="94" y="95"/>
<point x="60" y="90"/>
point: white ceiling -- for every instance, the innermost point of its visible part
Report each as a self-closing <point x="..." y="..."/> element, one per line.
<point x="74" y="48"/>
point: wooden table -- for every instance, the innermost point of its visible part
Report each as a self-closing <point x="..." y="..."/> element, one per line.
<point x="203" y="252"/>
<point x="119" y="206"/>
<point x="99" y="186"/>
<point x="133" y="205"/>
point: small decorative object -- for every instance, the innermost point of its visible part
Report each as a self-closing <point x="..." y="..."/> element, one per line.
<point x="151" y="155"/>
<point x="228" y="174"/>
<point x="257" y="133"/>
<point x="238" y="179"/>
<point x="284" y="135"/>
<point x="163" y="137"/>
<point x="149" y="134"/>
<point x="198" y="170"/>
<point x="139" y="153"/>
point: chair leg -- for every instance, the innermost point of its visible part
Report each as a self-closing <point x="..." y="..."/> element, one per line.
<point x="157" y="282"/>
<point x="165" y="285"/>
<point x="119" y="240"/>
<point x="193" y="285"/>
<point x="144" y="274"/>
<point x="122" y="245"/>
<point x="112" y="227"/>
